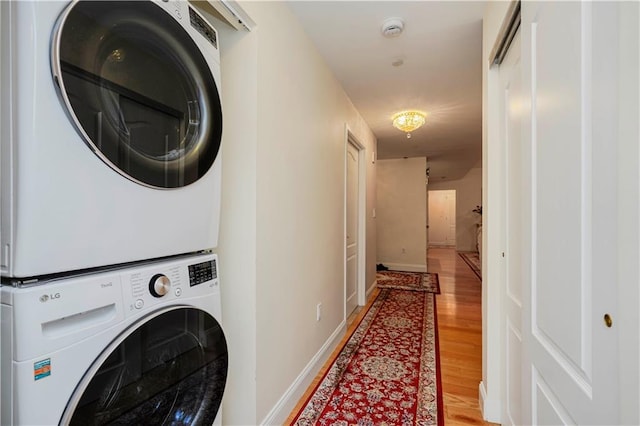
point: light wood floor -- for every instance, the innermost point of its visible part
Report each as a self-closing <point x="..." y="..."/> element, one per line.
<point x="460" y="334"/>
<point x="459" y="308"/>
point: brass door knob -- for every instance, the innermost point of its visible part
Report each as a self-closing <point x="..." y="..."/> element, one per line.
<point x="608" y="321"/>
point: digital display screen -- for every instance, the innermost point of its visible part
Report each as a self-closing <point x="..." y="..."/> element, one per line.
<point x="202" y="272"/>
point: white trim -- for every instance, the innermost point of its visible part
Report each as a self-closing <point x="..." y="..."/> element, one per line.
<point x="493" y="192"/>
<point x="490" y="408"/>
<point x="373" y="287"/>
<point x="408" y="267"/>
<point x="281" y="410"/>
<point x="628" y="212"/>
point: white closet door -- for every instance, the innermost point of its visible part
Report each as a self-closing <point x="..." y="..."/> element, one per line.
<point x="569" y="58"/>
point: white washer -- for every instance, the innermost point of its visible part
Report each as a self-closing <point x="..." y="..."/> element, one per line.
<point x="142" y="345"/>
<point x="110" y="125"/>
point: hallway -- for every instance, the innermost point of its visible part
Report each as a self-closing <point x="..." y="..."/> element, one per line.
<point x="459" y="308"/>
<point x="460" y="335"/>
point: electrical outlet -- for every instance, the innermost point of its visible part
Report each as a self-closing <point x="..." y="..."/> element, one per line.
<point x="319" y="312"/>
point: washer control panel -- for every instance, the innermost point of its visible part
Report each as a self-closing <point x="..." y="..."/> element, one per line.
<point x="202" y="272"/>
<point x="151" y="284"/>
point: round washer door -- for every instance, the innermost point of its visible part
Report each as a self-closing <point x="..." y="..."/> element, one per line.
<point x="170" y="369"/>
<point x="139" y="90"/>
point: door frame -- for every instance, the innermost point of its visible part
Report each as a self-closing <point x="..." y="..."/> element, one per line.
<point x="350" y="138"/>
<point x="513" y="208"/>
<point x="497" y="30"/>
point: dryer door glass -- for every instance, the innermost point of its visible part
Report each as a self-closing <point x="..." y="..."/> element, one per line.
<point x="139" y="90"/>
<point x="171" y="369"/>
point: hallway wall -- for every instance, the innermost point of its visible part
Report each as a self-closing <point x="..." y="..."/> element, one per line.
<point x="302" y="111"/>
<point x="401" y="214"/>
<point x="282" y="225"/>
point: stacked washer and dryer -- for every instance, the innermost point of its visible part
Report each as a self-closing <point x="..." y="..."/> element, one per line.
<point x="110" y="180"/>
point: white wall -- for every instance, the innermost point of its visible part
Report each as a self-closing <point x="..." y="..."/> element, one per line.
<point x="468" y="196"/>
<point x="282" y="227"/>
<point x="492" y="223"/>
<point x="401" y="214"/>
<point x="302" y="111"/>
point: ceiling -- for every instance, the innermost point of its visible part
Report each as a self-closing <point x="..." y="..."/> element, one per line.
<point x="441" y="48"/>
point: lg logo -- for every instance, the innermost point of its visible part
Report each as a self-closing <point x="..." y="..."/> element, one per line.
<point x="47" y="297"/>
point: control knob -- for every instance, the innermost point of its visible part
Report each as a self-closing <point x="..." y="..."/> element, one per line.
<point x="159" y="285"/>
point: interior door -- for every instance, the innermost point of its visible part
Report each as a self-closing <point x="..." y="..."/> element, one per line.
<point x="570" y="82"/>
<point x="442" y="222"/>
<point x="511" y="120"/>
<point x="353" y="195"/>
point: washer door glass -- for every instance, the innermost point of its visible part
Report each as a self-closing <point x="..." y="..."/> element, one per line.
<point x="171" y="369"/>
<point x="139" y="89"/>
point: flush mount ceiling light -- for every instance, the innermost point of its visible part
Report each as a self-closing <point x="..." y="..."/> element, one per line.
<point x="408" y="121"/>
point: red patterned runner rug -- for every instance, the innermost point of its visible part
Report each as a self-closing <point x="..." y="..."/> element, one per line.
<point x="420" y="281"/>
<point x="388" y="372"/>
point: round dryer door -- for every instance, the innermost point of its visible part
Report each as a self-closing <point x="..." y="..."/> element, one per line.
<point x="139" y="89"/>
<point x="171" y="369"/>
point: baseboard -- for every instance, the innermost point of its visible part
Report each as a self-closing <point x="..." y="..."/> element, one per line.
<point x="288" y="401"/>
<point x="490" y="408"/>
<point x="405" y="267"/>
<point x="370" y="290"/>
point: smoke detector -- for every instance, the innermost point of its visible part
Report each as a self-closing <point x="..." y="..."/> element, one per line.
<point x="392" y="27"/>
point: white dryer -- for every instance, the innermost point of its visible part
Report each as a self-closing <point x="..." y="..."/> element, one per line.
<point x="142" y="345"/>
<point x="111" y="124"/>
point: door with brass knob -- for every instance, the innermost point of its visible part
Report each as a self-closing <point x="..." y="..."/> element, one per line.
<point x="569" y="210"/>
